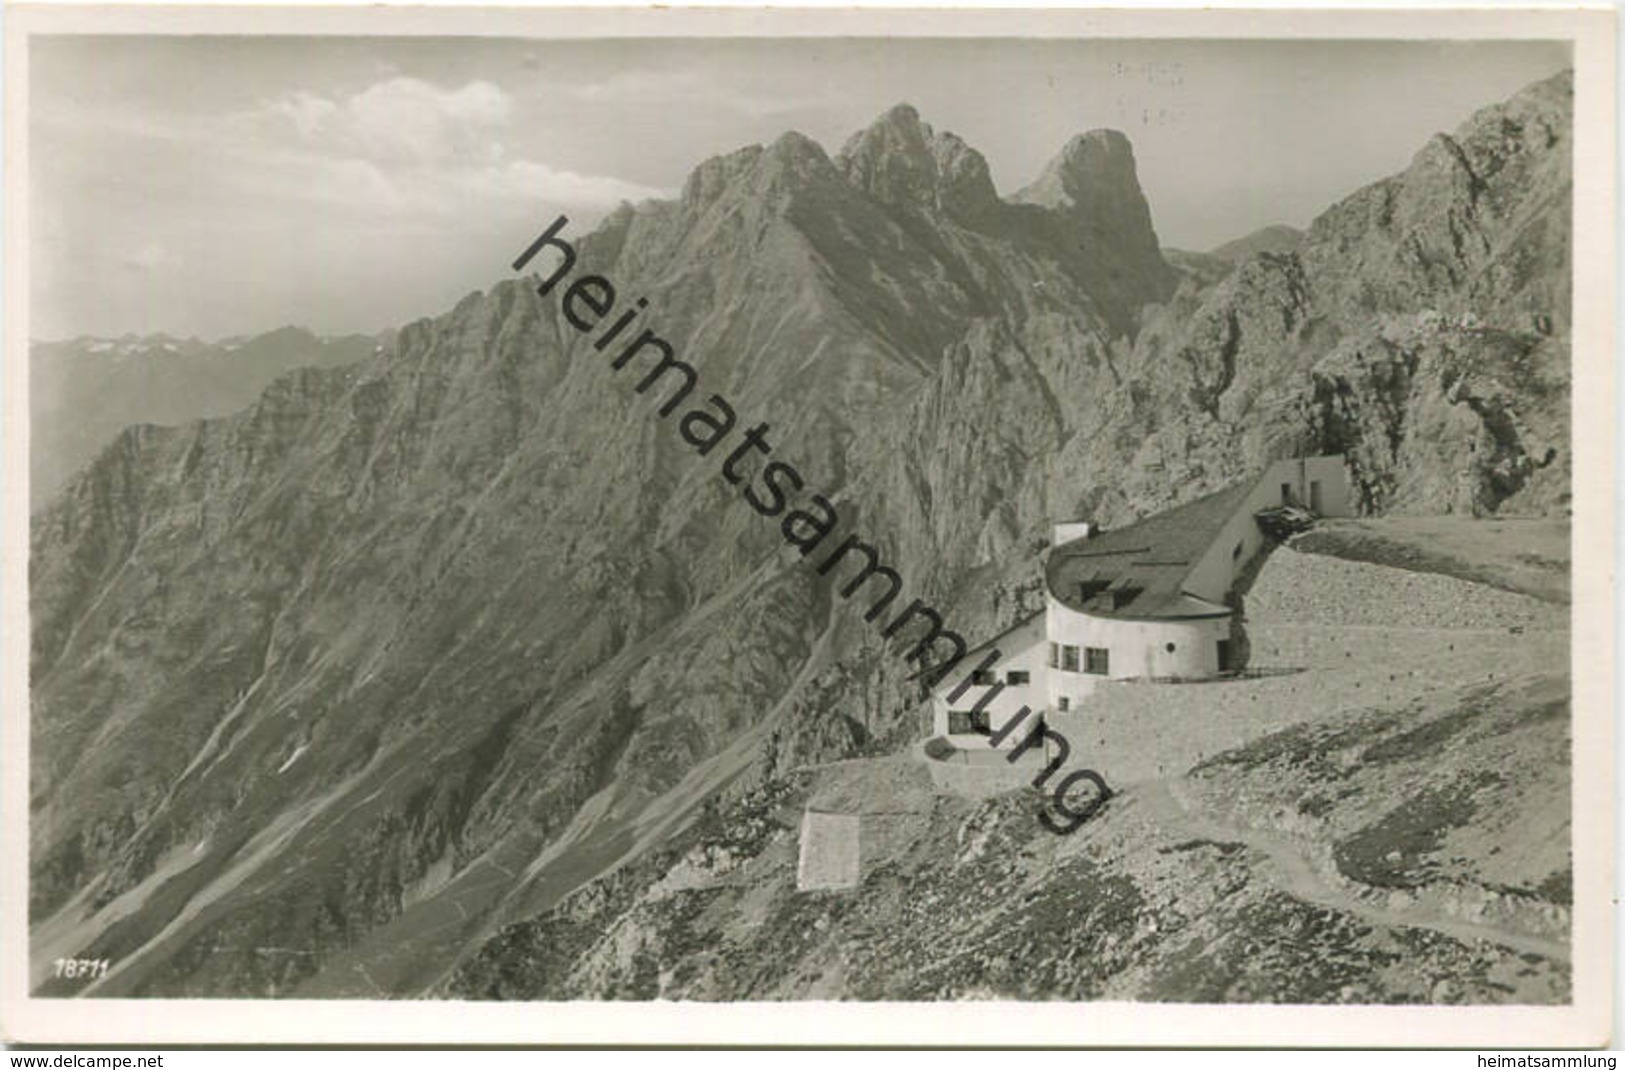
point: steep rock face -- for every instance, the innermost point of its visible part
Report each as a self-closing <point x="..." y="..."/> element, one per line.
<point x="481" y="556"/>
<point x="1438" y="415"/>
<point x="83" y="392"/>
<point x="1474" y="225"/>
<point x="1094" y="185"/>
<point x="1195" y="386"/>
<point x="421" y="645"/>
<point x="1421" y="324"/>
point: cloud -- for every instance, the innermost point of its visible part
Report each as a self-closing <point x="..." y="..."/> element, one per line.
<point x="528" y="180"/>
<point x="405" y="118"/>
<point x="446" y="195"/>
<point x="307" y="112"/>
<point x="407" y="145"/>
<point x="397" y="121"/>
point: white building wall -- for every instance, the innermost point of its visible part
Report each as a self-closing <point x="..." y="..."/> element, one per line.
<point x="1068" y="530"/>
<point x="1302" y="474"/>
<point x="1215" y="572"/>
<point x="1136" y="648"/>
<point x="1024" y="650"/>
<point x="1336" y="492"/>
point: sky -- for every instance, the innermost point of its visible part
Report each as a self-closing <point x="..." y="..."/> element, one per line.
<point x="214" y="186"/>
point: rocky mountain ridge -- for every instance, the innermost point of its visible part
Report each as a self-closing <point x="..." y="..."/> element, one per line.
<point x="84" y="391"/>
<point x="410" y="649"/>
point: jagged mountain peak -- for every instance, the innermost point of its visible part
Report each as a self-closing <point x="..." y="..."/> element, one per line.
<point x="794" y="153"/>
<point x="1526" y="125"/>
<point x="1475" y="223"/>
<point x="1550" y="99"/>
<point x="792" y="159"/>
<point x="898" y="127"/>
<point x="1092" y="185"/>
<point x="901" y="160"/>
<point x="707" y="181"/>
<point x="1093" y="167"/>
<point x="1102" y="140"/>
<point x="902" y="113"/>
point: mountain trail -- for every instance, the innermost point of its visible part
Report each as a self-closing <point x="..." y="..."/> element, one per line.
<point x="1292" y="871"/>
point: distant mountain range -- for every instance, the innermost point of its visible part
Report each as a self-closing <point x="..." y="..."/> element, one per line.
<point x="1278" y="239"/>
<point x="329" y="691"/>
<point x="84" y="391"/>
<point x="1209" y="267"/>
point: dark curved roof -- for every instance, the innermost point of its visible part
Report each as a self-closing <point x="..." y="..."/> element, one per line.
<point x="1138" y="572"/>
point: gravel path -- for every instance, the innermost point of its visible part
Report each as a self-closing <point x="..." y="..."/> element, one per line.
<point x="1291" y="870"/>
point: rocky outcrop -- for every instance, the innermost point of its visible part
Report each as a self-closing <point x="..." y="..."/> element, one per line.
<point x="1333" y="863"/>
<point x="1429" y="415"/>
<point x="1093" y="185"/>
<point x="901" y="161"/>
<point x="1470" y="227"/>
<point x="1395" y="330"/>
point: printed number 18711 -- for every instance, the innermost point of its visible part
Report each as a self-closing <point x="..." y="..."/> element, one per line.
<point x="83" y="968"/>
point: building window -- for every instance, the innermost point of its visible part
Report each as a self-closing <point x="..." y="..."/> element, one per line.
<point x="1125" y="595"/>
<point x="1017" y="677"/>
<point x="1097" y="660"/>
<point x="1055" y="655"/>
<point x="1171" y="648"/>
<point x="964" y="722"/>
<point x="1069" y="659"/>
<point x="1063" y="704"/>
<point x="984" y="677"/>
<point x="1087" y="589"/>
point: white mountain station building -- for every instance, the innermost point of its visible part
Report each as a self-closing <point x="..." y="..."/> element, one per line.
<point x="1152" y="601"/>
